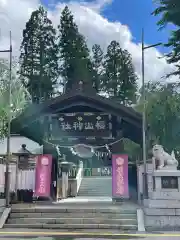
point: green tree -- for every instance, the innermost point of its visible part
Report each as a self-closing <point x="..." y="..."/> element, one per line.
<point x="39" y="56"/>
<point x="132" y="149"/>
<point x="74" y="53"/>
<point x="97" y="62"/>
<point x="163" y="114"/>
<point x="169" y="10"/>
<point x="20" y="98"/>
<point x="119" y="80"/>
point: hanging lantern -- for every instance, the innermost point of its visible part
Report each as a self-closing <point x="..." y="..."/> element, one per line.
<point x="83" y="151"/>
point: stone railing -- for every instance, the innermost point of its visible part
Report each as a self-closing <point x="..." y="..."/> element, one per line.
<point x="79" y="175"/>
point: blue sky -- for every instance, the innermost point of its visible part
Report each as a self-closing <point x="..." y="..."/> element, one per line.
<point x="102" y="21"/>
<point x="135" y="14"/>
<point x="120" y="20"/>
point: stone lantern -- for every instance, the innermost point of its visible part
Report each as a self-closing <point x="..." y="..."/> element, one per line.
<point x="22" y="162"/>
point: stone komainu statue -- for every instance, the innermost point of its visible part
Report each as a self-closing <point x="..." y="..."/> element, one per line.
<point x="165" y="160"/>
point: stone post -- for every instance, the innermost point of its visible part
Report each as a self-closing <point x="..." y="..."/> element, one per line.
<point x="64" y="184"/>
<point x="65" y="171"/>
<point x="65" y="167"/>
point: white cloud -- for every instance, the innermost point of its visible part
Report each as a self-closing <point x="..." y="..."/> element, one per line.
<point x="97" y="29"/>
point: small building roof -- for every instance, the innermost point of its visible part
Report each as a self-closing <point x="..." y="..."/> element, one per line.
<point x="15" y="145"/>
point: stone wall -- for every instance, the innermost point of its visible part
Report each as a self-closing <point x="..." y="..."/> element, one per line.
<point x="162" y="218"/>
<point x="162" y="211"/>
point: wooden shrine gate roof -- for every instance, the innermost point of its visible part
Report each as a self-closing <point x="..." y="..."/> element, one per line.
<point x="75" y="99"/>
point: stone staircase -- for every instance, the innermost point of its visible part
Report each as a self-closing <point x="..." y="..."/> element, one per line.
<point x="96" y="187"/>
<point x="73" y="218"/>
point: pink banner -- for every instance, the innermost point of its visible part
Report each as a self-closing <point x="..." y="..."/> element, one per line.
<point x="43" y="175"/>
<point x="120" y="176"/>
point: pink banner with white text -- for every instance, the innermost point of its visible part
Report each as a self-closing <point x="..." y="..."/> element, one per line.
<point x="120" y="188"/>
<point x="43" y="175"/>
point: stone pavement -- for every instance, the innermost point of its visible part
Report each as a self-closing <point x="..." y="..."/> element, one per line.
<point x="88" y="199"/>
<point x="80" y="202"/>
<point x="96" y="238"/>
<point x="47" y="235"/>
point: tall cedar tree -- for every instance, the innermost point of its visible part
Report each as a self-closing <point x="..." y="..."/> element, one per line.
<point x="120" y="80"/>
<point x="74" y="54"/>
<point x="97" y="61"/>
<point x="39" y="56"/>
<point x="169" y="10"/>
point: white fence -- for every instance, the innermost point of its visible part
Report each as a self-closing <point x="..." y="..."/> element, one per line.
<point x="26" y="178"/>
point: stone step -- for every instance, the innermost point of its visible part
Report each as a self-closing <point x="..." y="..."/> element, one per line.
<point x="72" y="226"/>
<point x="98" y="192"/>
<point x="93" y="178"/>
<point x="70" y="220"/>
<point x="92" y="187"/>
<point x="95" y="188"/>
<point x="71" y="203"/>
<point x="97" y="184"/>
<point x="52" y="210"/>
<point x="99" y="181"/>
<point x="84" y="194"/>
<point x="100" y="189"/>
<point x="73" y="215"/>
<point x="94" y="194"/>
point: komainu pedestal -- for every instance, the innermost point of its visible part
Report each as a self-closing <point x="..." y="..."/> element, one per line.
<point x="162" y="208"/>
<point x="166" y="186"/>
